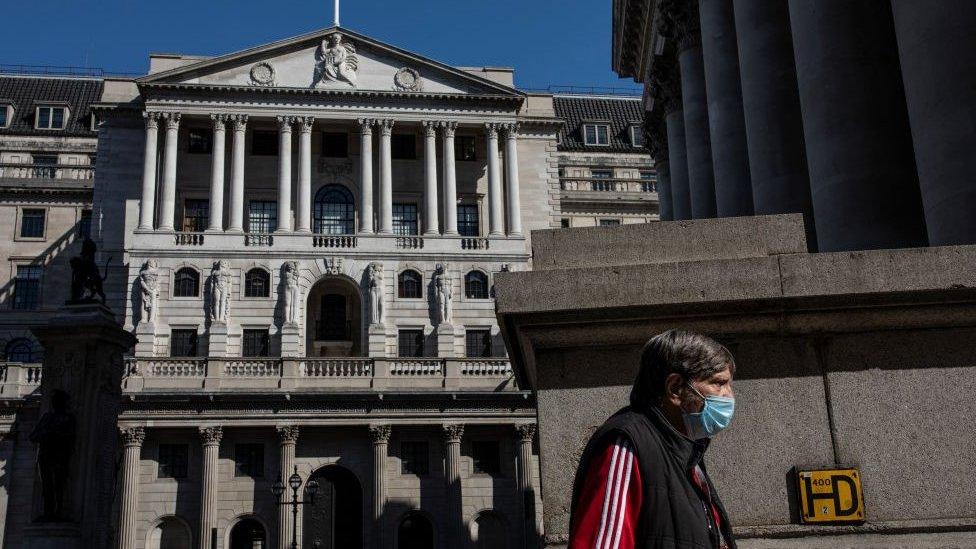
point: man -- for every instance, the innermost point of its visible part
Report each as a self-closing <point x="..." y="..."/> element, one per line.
<point x="641" y="481"/>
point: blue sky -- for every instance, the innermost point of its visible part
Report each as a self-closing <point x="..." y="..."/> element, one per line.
<point x="548" y="42"/>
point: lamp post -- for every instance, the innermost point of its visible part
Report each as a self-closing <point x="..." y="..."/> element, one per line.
<point x="295" y="482"/>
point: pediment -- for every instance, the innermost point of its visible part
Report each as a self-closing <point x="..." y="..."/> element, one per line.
<point x="331" y="59"/>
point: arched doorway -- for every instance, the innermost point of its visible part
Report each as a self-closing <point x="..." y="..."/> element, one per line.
<point x="248" y="534"/>
<point x="169" y="533"/>
<point x="488" y="531"/>
<point x="334" y="211"/>
<point x="415" y="532"/>
<point x="334" y="318"/>
<point x="335" y="520"/>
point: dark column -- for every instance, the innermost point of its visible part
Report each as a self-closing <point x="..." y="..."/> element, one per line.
<point x="656" y="137"/>
<point x="730" y="157"/>
<point x="678" y="164"/>
<point x="701" y="179"/>
<point x="937" y="46"/>
<point x="771" y="105"/>
<point x="664" y="188"/>
<point x="859" y="149"/>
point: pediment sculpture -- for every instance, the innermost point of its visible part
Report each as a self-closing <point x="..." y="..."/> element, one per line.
<point x="336" y="61"/>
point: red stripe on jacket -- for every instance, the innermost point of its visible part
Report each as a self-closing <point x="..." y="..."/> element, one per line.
<point x="609" y="501"/>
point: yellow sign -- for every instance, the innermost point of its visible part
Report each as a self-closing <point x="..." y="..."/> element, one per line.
<point x="830" y="496"/>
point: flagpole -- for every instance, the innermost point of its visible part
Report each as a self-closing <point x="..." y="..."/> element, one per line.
<point x="336" y="17"/>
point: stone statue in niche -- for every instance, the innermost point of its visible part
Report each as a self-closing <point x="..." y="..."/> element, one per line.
<point x="55" y="439"/>
<point x="220" y="284"/>
<point x="442" y="294"/>
<point x="291" y="291"/>
<point x="86" y="281"/>
<point x="149" y="290"/>
<point x="374" y="281"/>
<point x="337" y="60"/>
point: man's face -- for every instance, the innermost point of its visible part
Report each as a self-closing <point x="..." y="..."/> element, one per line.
<point x="717" y="384"/>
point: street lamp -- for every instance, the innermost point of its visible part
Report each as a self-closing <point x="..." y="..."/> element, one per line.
<point x="295" y="482"/>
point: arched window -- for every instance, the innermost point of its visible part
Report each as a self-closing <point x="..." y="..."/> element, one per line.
<point x="247" y="534"/>
<point x="170" y="533"/>
<point x="488" y="531"/>
<point x="20" y="350"/>
<point x="476" y="285"/>
<point x="257" y="283"/>
<point x="186" y="283"/>
<point x="415" y="532"/>
<point x="334" y="211"/>
<point x="409" y="284"/>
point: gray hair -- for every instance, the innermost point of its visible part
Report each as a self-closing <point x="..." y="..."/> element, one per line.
<point x="691" y="355"/>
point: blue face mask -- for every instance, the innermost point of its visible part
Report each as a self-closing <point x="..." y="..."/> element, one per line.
<point x="715" y="416"/>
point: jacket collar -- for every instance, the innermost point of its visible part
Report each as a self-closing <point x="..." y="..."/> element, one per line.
<point x="687" y="451"/>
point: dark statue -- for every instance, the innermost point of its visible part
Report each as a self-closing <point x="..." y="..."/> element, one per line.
<point x="86" y="281"/>
<point x="55" y="439"/>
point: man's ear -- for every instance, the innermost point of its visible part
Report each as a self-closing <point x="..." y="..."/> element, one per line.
<point x="673" y="389"/>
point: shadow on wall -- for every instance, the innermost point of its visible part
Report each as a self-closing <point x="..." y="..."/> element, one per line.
<point x="55" y="282"/>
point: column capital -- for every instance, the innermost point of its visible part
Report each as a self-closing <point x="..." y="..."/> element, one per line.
<point x="452" y="432"/>
<point x="491" y="128"/>
<point x="525" y="431"/>
<point x="680" y="23"/>
<point x="287" y="434"/>
<point x="218" y="121"/>
<point x="448" y="128"/>
<point x="306" y="123"/>
<point x="285" y="122"/>
<point x="511" y="129"/>
<point x="172" y="119"/>
<point x="430" y="127"/>
<point x="151" y="119"/>
<point x="239" y="120"/>
<point x="366" y="125"/>
<point x="132" y="436"/>
<point x="380" y="433"/>
<point x="386" y="126"/>
<point x="211" y="435"/>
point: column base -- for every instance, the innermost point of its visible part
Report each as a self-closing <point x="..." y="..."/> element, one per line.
<point x="432" y="233"/>
<point x="304" y="231"/>
<point x="234" y="231"/>
<point x="451" y="233"/>
<point x="496" y="233"/>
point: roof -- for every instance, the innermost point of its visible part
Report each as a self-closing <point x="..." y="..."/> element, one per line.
<point x="25" y="92"/>
<point x="619" y="112"/>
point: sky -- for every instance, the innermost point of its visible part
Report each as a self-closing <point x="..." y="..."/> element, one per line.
<point x="548" y="42"/>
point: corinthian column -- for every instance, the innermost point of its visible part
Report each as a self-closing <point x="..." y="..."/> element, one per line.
<point x="512" y="178"/>
<point x="217" y="174"/>
<point x="526" y="433"/>
<point x="284" y="173"/>
<point x="386" y="178"/>
<point x="167" y="211"/>
<point x="430" y="178"/>
<point x="237" y="175"/>
<point x="452" y="446"/>
<point x="366" y="174"/>
<point x="148" y="204"/>
<point x="495" y="220"/>
<point x="449" y="178"/>
<point x="132" y="438"/>
<point x="304" y="214"/>
<point x="208" y="494"/>
<point x="381" y="437"/>
<point x="287" y="438"/>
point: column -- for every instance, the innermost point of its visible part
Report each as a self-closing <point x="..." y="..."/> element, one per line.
<point x="132" y="438"/>
<point x="430" y="178"/>
<point x="452" y="464"/>
<point x="217" y="174"/>
<point x="304" y="214"/>
<point x="771" y="108"/>
<point x="698" y="146"/>
<point x="514" y="206"/>
<point x="366" y="174"/>
<point x="167" y="210"/>
<point x="284" y="174"/>
<point x="663" y="169"/>
<point x="208" y="493"/>
<point x="855" y="126"/>
<point x="726" y="125"/>
<point x="936" y="45"/>
<point x="526" y="433"/>
<point x="449" y="178"/>
<point x="386" y="178"/>
<point x="495" y="221"/>
<point x="237" y="175"/>
<point x="148" y="204"/>
<point x="287" y="439"/>
<point x="7" y="440"/>
<point x="381" y="437"/>
<point x="678" y="163"/>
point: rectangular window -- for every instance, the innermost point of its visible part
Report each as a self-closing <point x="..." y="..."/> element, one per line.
<point x="410" y="343"/>
<point x="467" y="220"/>
<point x="249" y="460"/>
<point x="637" y="136"/>
<point x="335" y="144"/>
<point x="609" y="222"/>
<point x="255" y="343"/>
<point x="84" y="224"/>
<point x="600" y="173"/>
<point x="477" y="343"/>
<point x="183" y="342"/>
<point x="172" y="460"/>
<point x="196" y="215"/>
<point x="50" y="118"/>
<point x="596" y="134"/>
<point x="405" y="219"/>
<point x="264" y="143"/>
<point x="403" y="146"/>
<point x="45" y="165"/>
<point x="200" y="141"/>
<point x="262" y="216"/>
<point x="27" y="287"/>
<point x="4" y="116"/>
<point x="32" y="223"/>
<point x="564" y="223"/>
<point x="414" y="458"/>
<point x="464" y="148"/>
<point x="486" y="457"/>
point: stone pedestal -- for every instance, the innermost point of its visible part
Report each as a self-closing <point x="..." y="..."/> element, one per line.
<point x="217" y="340"/>
<point x="377" y="340"/>
<point x="445" y="340"/>
<point x="145" y="339"/>
<point x="290" y="340"/>
<point x="83" y="361"/>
